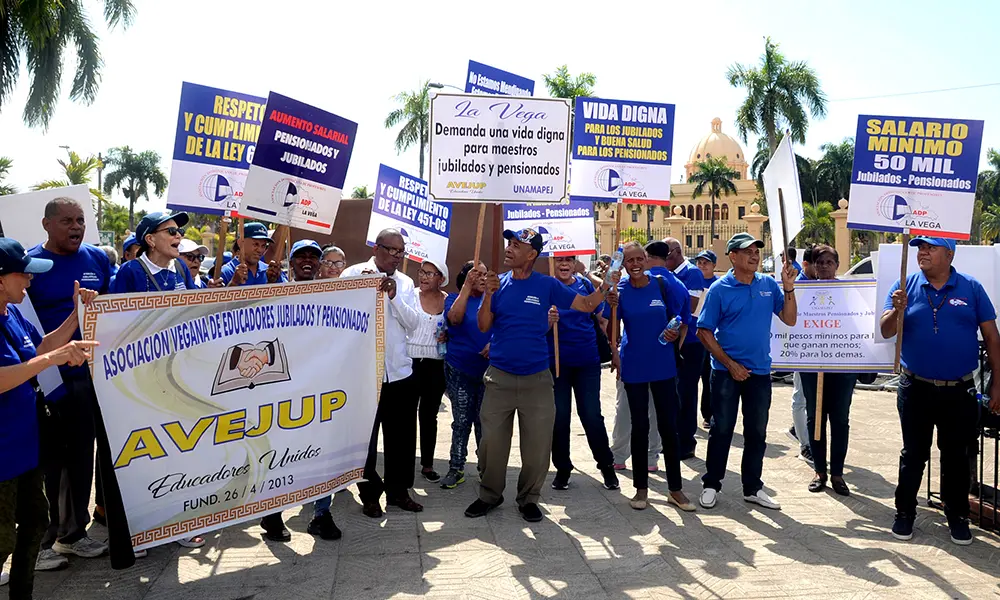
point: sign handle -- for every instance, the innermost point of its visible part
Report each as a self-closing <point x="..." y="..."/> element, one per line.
<point x="614" y="309"/>
<point x="818" y="430"/>
<point x="497" y="237"/>
<point x="479" y="234"/>
<point x="220" y="252"/>
<point x="281" y="235"/>
<point x="555" y="326"/>
<point x="406" y="263"/>
<point x="786" y="243"/>
<point x="239" y="238"/>
<point x="902" y="286"/>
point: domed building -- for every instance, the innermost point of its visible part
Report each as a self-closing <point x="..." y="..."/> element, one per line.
<point x="717" y="144"/>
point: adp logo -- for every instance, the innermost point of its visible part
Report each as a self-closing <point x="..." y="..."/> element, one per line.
<point x="413" y="244"/>
<point x="617" y="181"/>
<point x="912" y="213"/>
<point x="216" y="187"/>
<point x="892" y="206"/>
<point x="554" y="240"/>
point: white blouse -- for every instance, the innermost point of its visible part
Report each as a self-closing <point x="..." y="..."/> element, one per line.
<point x="422" y="341"/>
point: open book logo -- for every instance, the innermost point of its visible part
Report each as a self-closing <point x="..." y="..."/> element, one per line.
<point x="245" y="366"/>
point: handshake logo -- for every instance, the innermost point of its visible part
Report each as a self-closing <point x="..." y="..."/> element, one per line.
<point x="245" y="366"/>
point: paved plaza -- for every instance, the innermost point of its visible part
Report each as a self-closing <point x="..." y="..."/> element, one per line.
<point x="591" y="544"/>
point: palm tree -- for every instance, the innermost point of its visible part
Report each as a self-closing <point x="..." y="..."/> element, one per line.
<point x="837" y="166"/>
<point x="778" y="92"/>
<point x="562" y="85"/>
<point x="133" y="173"/>
<point x="817" y="224"/>
<point x="989" y="223"/>
<point x="988" y="186"/>
<point x="361" y="191"/>
<point x="414" y="114"/>
<point x="38" y="32"/>
<point x="5" y="165"/>
<point x="715" y="177"/>
<point x="77" y="172"/>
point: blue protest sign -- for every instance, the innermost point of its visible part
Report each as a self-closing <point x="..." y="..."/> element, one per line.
<point x="567" y="229"/>
<point x="401" y="202"/>
<point x="484" y="79"/>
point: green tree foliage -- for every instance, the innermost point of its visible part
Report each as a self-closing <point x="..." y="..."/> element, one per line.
<point x="77" y="171"/>
<point x="715" y="178"/>
<point x="5" y="165"/>
<point x="413" y="114"/>
<point x="360" y="192"/>
<point x="562" y="85"/>
<point x="817" y="224"/>
<point x="133" y="175"/>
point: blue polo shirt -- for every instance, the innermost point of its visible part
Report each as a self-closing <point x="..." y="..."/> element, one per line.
<point x="132" y="278"/>
<point x="802" y="276"/>
<point x="577" y="339"/>
<point x="953" y="351"/>
<point x="740" y="317"/>
<point x="51" y="292"/>
<point x="521" y="321"/>
<point x="229" y="269"/>
<point x="709" y="281"/>
<point x="644" y="316"/>
<point x="18" y="419"/>
<point x="694" y="281"/>
<point x="465" y="341"/>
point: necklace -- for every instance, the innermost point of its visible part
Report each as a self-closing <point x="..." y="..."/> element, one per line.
<point x="935" y="309"/>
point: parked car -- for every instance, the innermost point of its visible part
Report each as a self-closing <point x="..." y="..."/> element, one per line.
<point x="864" y="269"/>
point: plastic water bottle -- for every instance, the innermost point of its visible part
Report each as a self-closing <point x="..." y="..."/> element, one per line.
<point x="616" y="264"/>
<point x="441" y="343"/>
<point x="983" y="399"/>
<point x="673" y="325"/>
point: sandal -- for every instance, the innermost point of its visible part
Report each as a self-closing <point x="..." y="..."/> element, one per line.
<point x="840" y="486"/>
<point x="192" y="542"/>
<point x="818" y="484"/>
<point x="640" y="500"/>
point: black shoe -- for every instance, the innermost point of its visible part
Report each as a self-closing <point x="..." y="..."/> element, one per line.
<point x="807" y="456"/>
<point x="687" y="455"/>
<point x="479" y="508"/>
<point x="274" y="528"/>
<point x="818" y="484"/>
<point x="100" y="518"/>
<point x="430" y="475"/>
<point x="610" y="478"/>
<point x="960" y="533"/>
<point x="324" y="527"/>
<point x="902" y="527"/>
<point x="561" y="481"/>
<point x="372" y="510"/>
<point x="405" y="503"/>
<point x="840" y="487"/>
<point x="530" y="512"/>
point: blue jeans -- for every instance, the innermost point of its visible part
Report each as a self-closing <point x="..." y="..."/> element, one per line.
<point x="466" y="395"/>
<point x="838" y="390"/>
<point x="726" y="394"/>
<point x="585" y="384"/>
<point x="687" y="391"/>
<point x="665" y="402"/>
<point x="803" y="430"/>
<point x="322" y="506"/>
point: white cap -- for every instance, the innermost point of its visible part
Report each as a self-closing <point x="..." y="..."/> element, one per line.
<point x="440" y="267"/>
<point x="187" y="246"/>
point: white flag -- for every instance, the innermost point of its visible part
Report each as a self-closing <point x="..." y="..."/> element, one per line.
<point x="782" y="173"/>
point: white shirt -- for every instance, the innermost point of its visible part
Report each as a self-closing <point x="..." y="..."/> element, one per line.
<point x="401" y="318"/>
<point x="155" y="268"/>
<point x="422" y="341"/>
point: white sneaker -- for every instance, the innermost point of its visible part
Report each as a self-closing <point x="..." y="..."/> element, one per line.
<point x="4" y="578"/>
<point x="84" y="547"/>
<point x="764" y="500"/>
<point x="49" y="560"/>
<point x="708" y="498"/>
<point x="141" y="553"/>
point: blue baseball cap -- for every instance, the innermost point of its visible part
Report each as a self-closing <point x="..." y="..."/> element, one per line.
<point x="13" y="259"/>
<point x="526" y="236"/>
<point x="129" y="241"/>
<point x="152" y="221"/>
<point x="305" y="244"/>
<point x="226" y="257"/>
<point x="947" y="243"/>
<point x="256" y="231"/>
<point x="707" y="255"/>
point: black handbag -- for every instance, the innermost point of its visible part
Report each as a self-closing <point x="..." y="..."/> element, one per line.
<point x="670" y="317"/>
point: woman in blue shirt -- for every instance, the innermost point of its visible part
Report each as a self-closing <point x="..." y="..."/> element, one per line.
<point x="24" y="353"/>
<point x="645" y="307"/>
<point x="579" y="375"/>
<point x="464" y="366"/>
<point x="706" y="261"/>
<point x="158" y="267"/>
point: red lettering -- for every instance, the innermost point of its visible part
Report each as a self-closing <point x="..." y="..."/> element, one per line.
<point x="821" y="323"/>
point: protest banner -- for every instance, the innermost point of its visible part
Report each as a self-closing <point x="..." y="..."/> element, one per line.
<point x="401" y="203"/>
<point x="834" y="331"/>
<point x="213" y="147"/>
<point x="297" y="174"/>
<point x="567" y="230"/>
<point x="915" y="176"/>
<point x="784" y="197"/>
<point x="622" y="151"/>
<point x="484" y="79"/>
<point x="218" y="407"/>
<point x="498" y="149"/>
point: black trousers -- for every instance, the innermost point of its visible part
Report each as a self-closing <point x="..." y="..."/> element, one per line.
<point x="954" y="411"/>
<point x="706" y="387"/>
<point x="428" y="376"/>
<point x="397" y="417"/>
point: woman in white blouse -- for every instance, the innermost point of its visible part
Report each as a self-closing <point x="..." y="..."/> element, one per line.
<point x="426" y="347"/>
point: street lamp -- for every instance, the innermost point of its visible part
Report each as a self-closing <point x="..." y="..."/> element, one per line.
<point x="438" y="86"/>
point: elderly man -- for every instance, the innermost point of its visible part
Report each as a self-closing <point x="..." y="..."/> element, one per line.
<point x="735" y="326"/>
<point x="518" y="308"/>
<point x="397" y="407"/>
<point x="247" y="268"/>
<point x="944" y="310"/>
<point x="68" y="459"/>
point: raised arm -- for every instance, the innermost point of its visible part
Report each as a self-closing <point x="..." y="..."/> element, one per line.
<point x="485" y="317"/>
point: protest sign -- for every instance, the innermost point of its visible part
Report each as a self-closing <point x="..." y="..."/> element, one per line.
<point x="401" y="203"/>
<point x="834" y="331"/>
<point x="484" y="79"/>
<point x="297" y="173"/>
<point x="218" y="407"/>
<point x="498" y="149"/>
<point x="622" y="151"/>
<point x="567" y="230"/>
<point x="784" y="197"/>
<point x="915" y="175"/>
<point x="213" y="147"/>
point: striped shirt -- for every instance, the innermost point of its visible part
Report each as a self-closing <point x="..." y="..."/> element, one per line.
<point x="422" y="342"/>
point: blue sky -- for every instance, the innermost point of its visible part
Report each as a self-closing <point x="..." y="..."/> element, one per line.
<point x="351" y="58"/>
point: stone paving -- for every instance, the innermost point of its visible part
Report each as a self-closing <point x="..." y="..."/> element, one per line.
<point x="591" y="544"/>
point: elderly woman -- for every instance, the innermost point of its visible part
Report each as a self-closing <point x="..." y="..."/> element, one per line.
<point x="424" y="346"/>
<point x="332" y="262"/>
<point x="193" y="254"/>
<point x="158" y="267"/>
<point x="24" y="353"/>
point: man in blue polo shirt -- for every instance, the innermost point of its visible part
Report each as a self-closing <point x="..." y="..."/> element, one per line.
<point x="706" y="261"/>
<point x="516" y="308"/>
<point x="247" y="268"/>
<point x="943" y="310"/>
<point x="69" y="474"/>
<point x="692" y="352"/>
<point x="735" y="326"/>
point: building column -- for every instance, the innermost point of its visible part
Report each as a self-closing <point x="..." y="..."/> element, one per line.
<point x="208" y="240"/>
<point x="842" y="236"/>
<point x="676" y="223"/>
<point x="606" y="229"/>
<point x="755" y="225"/>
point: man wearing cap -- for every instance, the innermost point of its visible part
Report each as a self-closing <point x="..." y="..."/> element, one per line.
<point x="69" y="472"/>
<point x="303" y="262"/>
<point x="735" y="327"/>
<point x="247" y="268"/>
<point x="24" y="354"/>
<point x="943" y="312"/>
<point x="397" y="408"/>
<point x="515" y="308"/>
<point x="706" y="261"/>
<point x="130" y="248"/>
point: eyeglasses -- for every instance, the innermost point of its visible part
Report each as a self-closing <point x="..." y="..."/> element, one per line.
<point x="172" y="231"/>
<point x="393" y="252"/>
<point x="333" y="264"/>
<point x="193" y="257"/>
<point x="423" y="273"/>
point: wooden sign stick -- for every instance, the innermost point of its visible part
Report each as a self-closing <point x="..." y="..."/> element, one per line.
<point x="221" y="246"/>
<point x="479" y="234"/>
<point x="555" y="326"/>
<point x="902" y="285"/>
<point x="818" y="430"/>
<point x="614" y="309"/>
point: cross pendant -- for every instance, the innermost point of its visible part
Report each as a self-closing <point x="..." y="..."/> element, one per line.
<point x="935" y="329"/>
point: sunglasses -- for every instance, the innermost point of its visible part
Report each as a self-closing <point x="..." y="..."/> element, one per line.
<point x="333" y="264"/>
<point x="393" y="252"/>
<point x="423" y="273"/>
<point x="172" y="231"/>
<point x="193" y="257"/>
